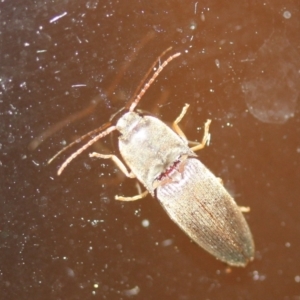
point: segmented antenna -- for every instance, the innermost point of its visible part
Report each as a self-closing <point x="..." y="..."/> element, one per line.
<point x="84" y="147"/>
<point x="144" y="79"/>
<point x="151" y="80"/>
<point x="77" y="141"/>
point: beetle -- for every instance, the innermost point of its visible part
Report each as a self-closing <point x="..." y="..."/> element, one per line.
<point x="161" y="159"/>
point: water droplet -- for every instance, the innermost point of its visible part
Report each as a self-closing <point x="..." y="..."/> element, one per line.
<point x="287" y="14"/>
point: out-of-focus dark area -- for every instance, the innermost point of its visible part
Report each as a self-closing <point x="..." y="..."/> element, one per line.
<point x="66" y="237"/>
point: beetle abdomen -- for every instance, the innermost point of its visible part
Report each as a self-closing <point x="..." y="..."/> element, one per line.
<point x="205" y="211"/>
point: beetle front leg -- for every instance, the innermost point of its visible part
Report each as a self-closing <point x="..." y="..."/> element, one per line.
<point x="205" y="139"/>
<point x="178" y="130"/>
<point x="175" y="125"/>
<point x="116" y="160"/>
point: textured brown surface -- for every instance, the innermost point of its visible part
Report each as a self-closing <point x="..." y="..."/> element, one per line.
<point x="66" y="237"/>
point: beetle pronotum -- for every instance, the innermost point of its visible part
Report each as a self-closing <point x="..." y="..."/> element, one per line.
<point x="162" y="161"/>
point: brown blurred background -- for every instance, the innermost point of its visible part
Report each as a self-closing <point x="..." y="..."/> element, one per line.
<point x="66" y="237"/>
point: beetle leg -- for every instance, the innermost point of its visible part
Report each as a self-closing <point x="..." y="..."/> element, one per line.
<point x="244" y="209"/>
<point x="205" y="139"/>
<point x="220" y="180"/>
<point x="177" y="129"/>
<point x="116" y="160"/>
<point x="175" y="125"/>
<point x="122" y="167"/>
<point x="133" y="198"/>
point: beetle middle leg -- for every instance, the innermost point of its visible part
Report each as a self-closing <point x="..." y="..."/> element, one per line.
<point x="116" y="160"/>
<point x="178" y="130"/>
<point x="123" y="168"/>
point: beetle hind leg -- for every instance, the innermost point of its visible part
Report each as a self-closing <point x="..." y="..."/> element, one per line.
<point x="244" y="209"/>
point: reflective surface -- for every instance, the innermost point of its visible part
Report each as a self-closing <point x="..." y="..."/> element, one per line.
<point x="66" y="237"/>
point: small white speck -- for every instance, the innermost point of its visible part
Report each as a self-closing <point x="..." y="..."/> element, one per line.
<point x="193" y="26"/>
<point x="297" y="278"/>
<point x="36" y="163"/>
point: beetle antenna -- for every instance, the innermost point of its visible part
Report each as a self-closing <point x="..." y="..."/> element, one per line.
<point x="80" y="139"/>
<point x="84" y="147"/>
<point x="142" y="82"/>
<point x="137" y="99"/>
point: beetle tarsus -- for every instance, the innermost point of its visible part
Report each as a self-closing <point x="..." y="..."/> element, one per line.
<point x="206" y="137"/>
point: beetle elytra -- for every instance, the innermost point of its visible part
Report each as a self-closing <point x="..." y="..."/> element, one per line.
<point x="161" y="159"/>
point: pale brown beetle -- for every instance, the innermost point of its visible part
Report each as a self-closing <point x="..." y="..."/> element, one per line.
<point x="162" y="161"/>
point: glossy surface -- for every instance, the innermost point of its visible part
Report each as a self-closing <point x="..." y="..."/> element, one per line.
<point x="66" y="237"/>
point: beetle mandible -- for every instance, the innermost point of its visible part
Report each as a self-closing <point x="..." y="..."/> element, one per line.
<point x="161" y="159"/>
